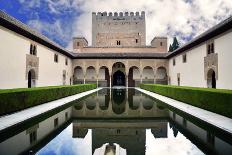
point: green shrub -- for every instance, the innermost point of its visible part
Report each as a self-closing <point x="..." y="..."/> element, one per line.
<point x="215" y="100"/>
<point x="12" y="100"/>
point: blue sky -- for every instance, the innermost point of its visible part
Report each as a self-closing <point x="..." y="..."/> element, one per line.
<point x="61" y="20"/>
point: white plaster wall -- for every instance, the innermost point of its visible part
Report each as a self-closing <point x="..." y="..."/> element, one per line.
<point x="13" y="52"/>
<point x="50" y="72"/>
<point x="191" y="72"/>
<point x="223" y="47"/>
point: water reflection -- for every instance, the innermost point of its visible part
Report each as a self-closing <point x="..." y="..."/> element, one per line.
<point x="119" y="103"/>
<point x="111" y="121"/>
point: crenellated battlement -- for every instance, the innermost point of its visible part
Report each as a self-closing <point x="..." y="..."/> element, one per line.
<point x="118" y="14"/>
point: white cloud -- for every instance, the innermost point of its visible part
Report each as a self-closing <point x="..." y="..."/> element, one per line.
<point x="184" y="18"/>
<point x="165" y="18"/>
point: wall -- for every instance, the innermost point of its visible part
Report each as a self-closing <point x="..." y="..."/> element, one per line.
<point x="13" y="51"/>
<point x="191" y="72"/>
<point x="223" y="47"/>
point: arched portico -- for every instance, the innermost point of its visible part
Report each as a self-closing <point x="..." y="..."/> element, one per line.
<point x="161" y="75"/>
<point x="90" y="76"/>
<point x="135" y="71"/>
<point x="78" y="76"/>
<point x="103" y="77"/>
<point x="148" y="75"/>
<point x="134" y="77"/>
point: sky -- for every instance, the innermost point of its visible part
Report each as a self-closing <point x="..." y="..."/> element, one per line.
<point x="61" y="20"/>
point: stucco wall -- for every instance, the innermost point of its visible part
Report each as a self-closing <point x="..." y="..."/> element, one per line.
<point x="223" y="47"/>
<point x="13" y="51"/>
<point x="191" y="72"/>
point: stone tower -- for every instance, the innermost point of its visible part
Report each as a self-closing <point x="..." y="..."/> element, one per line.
<point x="118" y="29"/>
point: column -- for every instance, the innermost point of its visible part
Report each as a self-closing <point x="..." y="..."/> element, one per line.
<point x="141" y="78"/>
<point x="110" y="81"/>
<point x="126" y="81"/>
<point x="84" y="79"/>
<point x="97" y="80"/>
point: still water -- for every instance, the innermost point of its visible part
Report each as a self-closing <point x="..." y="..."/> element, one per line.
<point x="115" y="121"/>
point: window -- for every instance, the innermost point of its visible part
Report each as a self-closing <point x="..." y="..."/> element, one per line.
<point x="174" y="62"/>
<point x="33" y="49"/>
<point x="56" y="58"/>
<point x="184" y="58"/>
<point x="56" y="122"/>
<point x="118" y="42"/>
<point x="161" y="43"/>
<point x="136" y="40"/>
<point x="66" y="61"/>
<point x="210" y="138"/>
<point x="210" y="47"/>
<point x="78" y="43"/>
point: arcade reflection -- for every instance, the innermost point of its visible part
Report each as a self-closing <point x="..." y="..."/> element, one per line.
<point x="115" y="121"/>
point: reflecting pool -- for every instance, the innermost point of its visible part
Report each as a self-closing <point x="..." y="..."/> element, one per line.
<point x="115" y="121"/>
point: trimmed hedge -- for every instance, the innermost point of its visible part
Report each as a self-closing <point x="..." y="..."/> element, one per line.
<point x="12" y="100"/>
<point x="215" y="100"/>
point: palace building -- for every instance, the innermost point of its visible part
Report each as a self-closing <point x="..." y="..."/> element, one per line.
<point x="118" y="56"/>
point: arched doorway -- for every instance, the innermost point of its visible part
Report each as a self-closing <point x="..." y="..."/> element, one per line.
<point x="119" y="79"/>
<point x="31" y="79"/>
<point x="211" y="79"/>
<point x="118" y="72"/>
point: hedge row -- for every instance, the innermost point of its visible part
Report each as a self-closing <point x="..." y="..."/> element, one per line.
<point x="12" y="100"/>
<point x="215" y="100"/>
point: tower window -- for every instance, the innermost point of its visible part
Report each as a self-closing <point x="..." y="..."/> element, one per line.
<point x="78" y="44"/>
<point x="136" y="40"/>
<point x="56" y="58"/>
<point x="161" y="43"/>
<point x="118" y="42"/>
